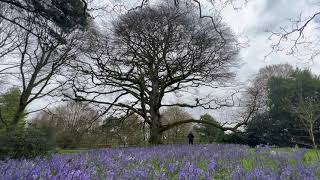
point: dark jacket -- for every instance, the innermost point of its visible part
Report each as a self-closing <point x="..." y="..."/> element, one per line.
<point x="190" y="136"/>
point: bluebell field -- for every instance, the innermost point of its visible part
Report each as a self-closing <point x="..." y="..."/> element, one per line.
<point x="181" y="162"/>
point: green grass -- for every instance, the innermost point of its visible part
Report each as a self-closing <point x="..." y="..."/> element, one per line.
<point x="69" y="151"/>
<point x="312" y="155"/>
<point x="248" y="164"/>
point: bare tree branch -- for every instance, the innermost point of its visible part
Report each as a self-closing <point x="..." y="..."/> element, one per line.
<point x="293" y="39"/>
<point x="171" y="50"/>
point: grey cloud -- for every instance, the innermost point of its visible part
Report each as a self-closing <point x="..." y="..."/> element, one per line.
<point x="275" y="13"/>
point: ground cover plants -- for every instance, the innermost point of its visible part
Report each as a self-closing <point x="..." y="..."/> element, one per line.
<point x="215" y="161"/>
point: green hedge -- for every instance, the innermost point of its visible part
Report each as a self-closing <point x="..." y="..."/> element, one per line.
<point x="26" y="143"/>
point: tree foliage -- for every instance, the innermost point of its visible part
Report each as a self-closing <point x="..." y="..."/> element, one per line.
<point x="9" y="103"/>
<point x="284" y="122"/>
<point x="123" y="131"/>
<point x="208" y="133"/>
<point x="25" y="143"/>
<point x="69" y="123"/>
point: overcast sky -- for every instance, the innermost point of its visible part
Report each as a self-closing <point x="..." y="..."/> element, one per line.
<point x="252" y="23"/>
<point x="255" y="20"/>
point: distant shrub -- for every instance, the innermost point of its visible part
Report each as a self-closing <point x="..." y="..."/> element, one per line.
<point x="26" y="143"/>
<point x="236" y="138"/>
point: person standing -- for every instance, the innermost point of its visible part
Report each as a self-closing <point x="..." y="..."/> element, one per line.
<point x="190" y="137"/>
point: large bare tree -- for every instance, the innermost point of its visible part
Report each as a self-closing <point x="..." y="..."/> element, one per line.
<point x="36" y="63"/>
<point x="155" y="52"/>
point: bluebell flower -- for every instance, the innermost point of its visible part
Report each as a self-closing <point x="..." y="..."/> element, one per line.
<point x="171" y="168"/>
<point x="212" y="165"/>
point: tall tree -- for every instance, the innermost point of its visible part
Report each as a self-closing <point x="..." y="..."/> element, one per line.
<point x="289" y="106"/>
<point x="254" y="98"/>
<point x="155" y="52"/>
<point x="36" y="64"/>
<point x="288" y="114"/>
<point x="259" y="85"/>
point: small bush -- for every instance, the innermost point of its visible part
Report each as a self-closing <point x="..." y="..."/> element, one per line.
<point x="26" y="143"/>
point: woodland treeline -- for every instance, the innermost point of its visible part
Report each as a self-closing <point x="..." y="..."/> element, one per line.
<point x="131" y="79"/>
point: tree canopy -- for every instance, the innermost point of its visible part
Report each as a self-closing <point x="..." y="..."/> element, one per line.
<point x="208" y="133"/>
<point x="283" y="123"/>
<point x="155" y="52"/>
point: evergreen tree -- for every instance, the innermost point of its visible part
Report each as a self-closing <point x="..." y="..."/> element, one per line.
<point x="9" y="103"/>
<point x="290" y="101"/>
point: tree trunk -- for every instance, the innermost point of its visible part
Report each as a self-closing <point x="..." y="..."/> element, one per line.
<point x="17" y="117"/>
<point x="155" y="136"/>
<point x="155" y="129"/>
<point x="312" y="137"/>
<point x="155" y="125"/>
